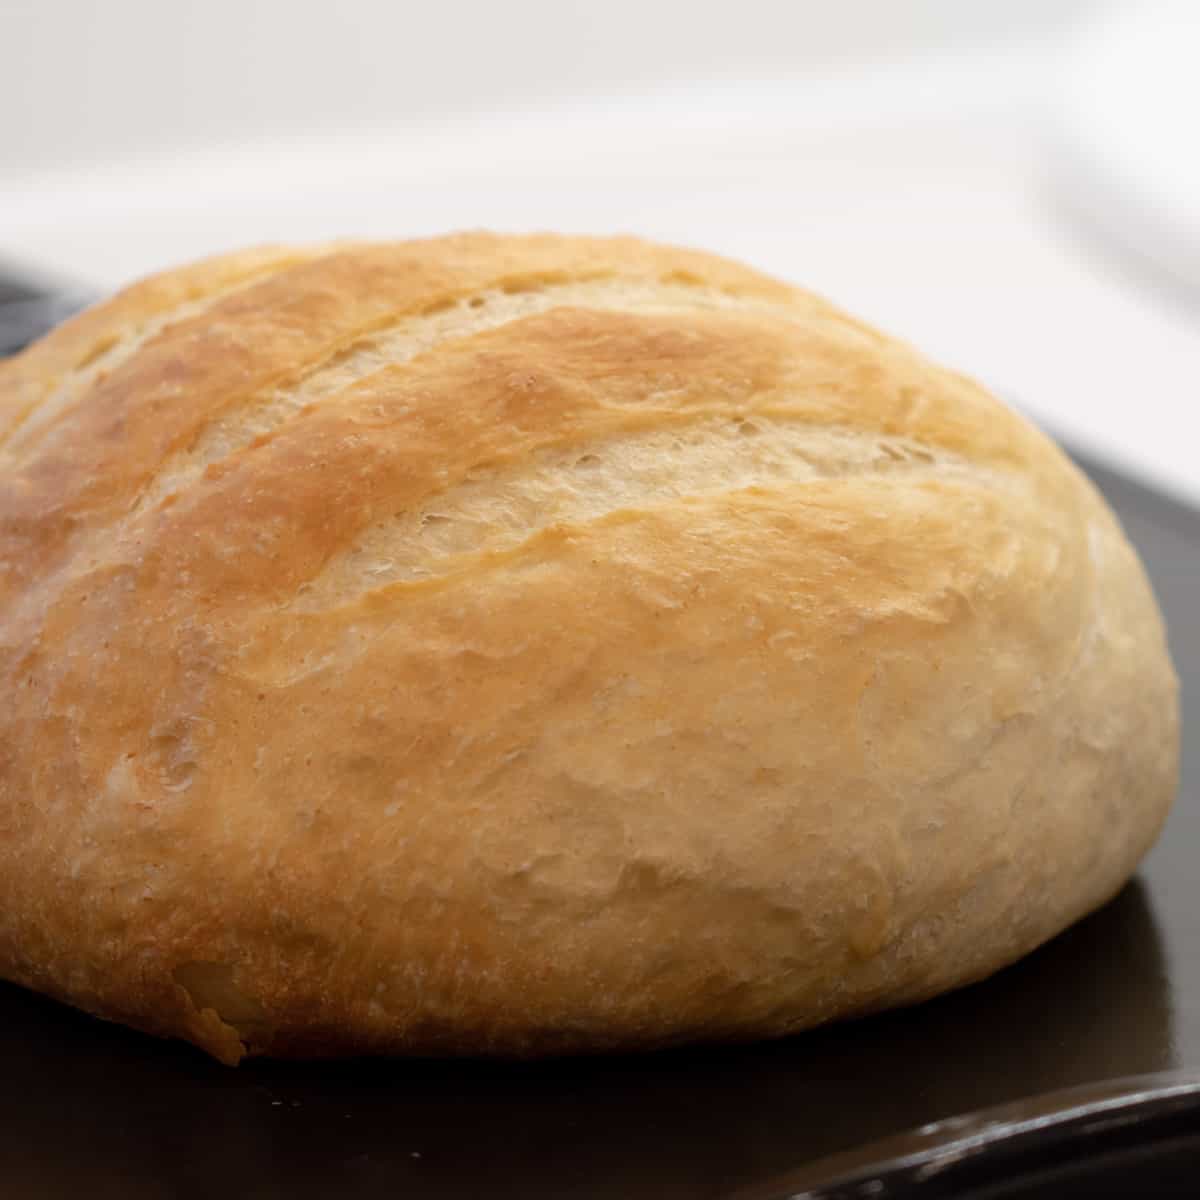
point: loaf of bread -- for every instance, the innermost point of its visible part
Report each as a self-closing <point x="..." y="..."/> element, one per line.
<point x="527" y="645"/>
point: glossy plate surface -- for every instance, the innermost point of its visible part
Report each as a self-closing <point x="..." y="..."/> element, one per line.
<point x="1098" y="1140"/>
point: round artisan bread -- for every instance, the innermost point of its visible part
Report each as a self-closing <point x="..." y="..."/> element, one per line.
<point x="522" y="645"/>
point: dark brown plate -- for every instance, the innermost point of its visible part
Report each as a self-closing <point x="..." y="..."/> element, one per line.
<point x="91" y="1109"/>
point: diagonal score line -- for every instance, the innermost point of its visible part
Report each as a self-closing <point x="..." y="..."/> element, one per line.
<point x="108" y="355"/>
<point x="586" y="481"/>
<point x="405" y="338"/>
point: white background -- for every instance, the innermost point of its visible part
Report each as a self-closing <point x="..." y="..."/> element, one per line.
<point x="89" y="79"/>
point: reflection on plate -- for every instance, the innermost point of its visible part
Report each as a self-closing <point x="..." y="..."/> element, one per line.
<point x="1121" y="1138"/>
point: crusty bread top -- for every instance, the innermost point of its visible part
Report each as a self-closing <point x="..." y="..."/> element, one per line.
<point x="263" y="361"/>
<point x="483" y="585"/>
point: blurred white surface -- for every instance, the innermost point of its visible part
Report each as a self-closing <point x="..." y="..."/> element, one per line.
<point x="1128" y="137"/>
<point x="86" y="81"/>
<point x="912" y="192"/>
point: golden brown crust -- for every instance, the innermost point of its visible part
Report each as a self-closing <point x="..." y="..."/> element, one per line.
<point x="517" y="645"/>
